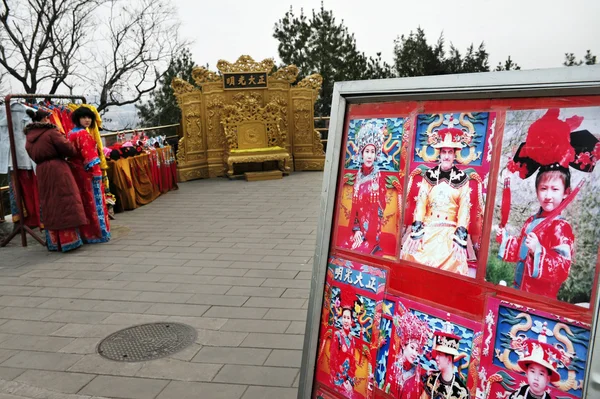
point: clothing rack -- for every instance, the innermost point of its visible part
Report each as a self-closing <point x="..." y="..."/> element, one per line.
<point x="20" y="227"/>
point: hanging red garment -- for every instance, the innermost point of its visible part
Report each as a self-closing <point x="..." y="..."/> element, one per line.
<point x="30" y="199"/>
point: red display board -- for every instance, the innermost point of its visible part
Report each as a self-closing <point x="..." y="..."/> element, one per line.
<point x="477" y="220"/>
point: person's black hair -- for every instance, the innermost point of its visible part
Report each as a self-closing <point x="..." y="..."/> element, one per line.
<point x="80" y="113"/>
<point x="37" y="116"/>
<point x="563" y="173"/>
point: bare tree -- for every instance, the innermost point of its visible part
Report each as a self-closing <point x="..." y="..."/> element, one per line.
<point x="143" y="39"/>
<point x="39" y="39"/>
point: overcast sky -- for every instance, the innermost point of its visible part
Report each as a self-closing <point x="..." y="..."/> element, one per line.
<point x="535" y="33"/>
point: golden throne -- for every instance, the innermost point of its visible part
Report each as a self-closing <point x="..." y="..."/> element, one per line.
<point x="253" y="134"/>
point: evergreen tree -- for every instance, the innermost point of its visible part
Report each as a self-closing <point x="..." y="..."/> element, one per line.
<point x="509" y="65"/>
<point x="322" y="45"/>
<point x="588" y="59"/>
<point x="162" y="108"/>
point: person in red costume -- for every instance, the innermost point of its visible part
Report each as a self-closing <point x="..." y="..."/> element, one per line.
<point x="368" y="196"/>
<point x="342" y="361"/>
<point x="406" y="374"/>
<point x="544" y="255"/>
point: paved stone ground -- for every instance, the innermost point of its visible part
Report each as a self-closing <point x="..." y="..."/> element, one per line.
<point x="231" y="258"/>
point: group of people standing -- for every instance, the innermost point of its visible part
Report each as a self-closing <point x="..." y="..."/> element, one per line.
<point x="72" y="197"/>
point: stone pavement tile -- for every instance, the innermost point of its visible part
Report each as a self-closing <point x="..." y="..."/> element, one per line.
<point x="296" y="293"/>
<point x="196" y="256"/>
<point x="88" y="330"/>
<point x="126" y="269"/>
<point x="124" y="295"/>
<point x="195" y="390"/>
<point x="133" y="318"/>
<point x="270" y="252"/>
<point x="185" y="279"/>
<point x="304" y="252"/>
<point x="246" y="239"/>
<point x="145" y="249"/>
<point x="286" y="314"/>
<point x="29" y="327"/>
<point x="173" y="243"/>
<point x="268" y="326"/>
<point x="42" y="360"/>
<point x="202" y="289"/>
<point x="173" y="270"/>
<point x="306" y="275"/>
<point x="121" y="307"/>
<point x="18" y="290"/>
<point x="151" y="261"/>
<point x="61" y="292"/>
<point x="69" y="304"/>
<point x="296" y="267"/>
<point x="8" y="373"/>
<point x="87" y="275"/>
<point x="124" y="387"/>
<point x="35" y="343"/>
<point x="177" y="309"/>
<point x="82" y="346"/>
<point x="171" y="369"/>
<point x="265" y="245"/>
<point x="47" y="273"/>
<point x="75" y="316"/>
<point x="207" y="323"/>
<point x="55" y="380"/>
<point x="257" y="375"/>
<point x="254" y="392"/>
<point x="282" y="283"/>
<point x="272" y="273"/>
<point x="188" y="353"/>
<point x="296" y="382"/>
<point x="286" y="259"/>
<point x="213" y="271"/>
<point x="281" y="303"/>
<point x="247" y="356"/>
<point x="54" y="282"/>
<point x="271" y="292"/>
<point x="140" y="254"/>
<point x="128" y="277"/>
<point x="284" y="358"/>
<point x="94" y="364"/>
<point x="17" y="280"/>
<point x="103" y="284"/>
<point x="17" y="313"/>
<point x="208" y="263"/>
<point x="240" y="281"/>
<point x="155" y="287"/>
<point x="223" y="300"/>
<point x="273" y="341"/>
<point x="164" y="297"/>
<point x="229" y="312"/>
<point x="6" y="354"/>
<point x="220" y="338"/>
<point x="254" y="265"/>
<point x="225" y="250"/>
<point x="240" y="257"/>
<point x="297" y="327"/>
<point x="21" y="301"/>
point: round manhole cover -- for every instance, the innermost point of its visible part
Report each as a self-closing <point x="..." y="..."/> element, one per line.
<point x="147" y="342"/>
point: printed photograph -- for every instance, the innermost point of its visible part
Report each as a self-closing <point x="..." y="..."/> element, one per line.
<point x="446" y="190"/>
<point x="369" y="205"/>
<point x="544" y="239"/>
<point x="529" y="354"/>
<point x="426" y="353"/>
<point x="349" y="334"/>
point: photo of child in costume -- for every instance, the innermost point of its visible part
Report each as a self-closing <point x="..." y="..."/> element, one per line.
<point x="425" y="353"/>
<point x="529" y="354"/>
<point x="559" y="153"/>
<point x="368" y="219"/>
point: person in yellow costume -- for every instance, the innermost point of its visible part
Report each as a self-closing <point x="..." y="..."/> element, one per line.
<point x="438" y="235"/>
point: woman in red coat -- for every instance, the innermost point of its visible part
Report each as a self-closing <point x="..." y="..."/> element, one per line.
<point x="62" y="209"/>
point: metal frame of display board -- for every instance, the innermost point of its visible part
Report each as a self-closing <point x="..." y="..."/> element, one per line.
<point x="20" y="227"/>
<point x="574" y="81"/>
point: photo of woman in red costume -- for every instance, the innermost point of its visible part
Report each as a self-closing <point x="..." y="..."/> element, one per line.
<point x="342" y="350"/>
<point x="560" y="154"/>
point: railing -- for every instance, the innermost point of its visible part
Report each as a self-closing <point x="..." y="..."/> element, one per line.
<point x="322" y="126"/>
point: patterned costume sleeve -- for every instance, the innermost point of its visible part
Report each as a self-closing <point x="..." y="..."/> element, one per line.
<point x="87" y="148"/>
<point x="464" y="207"/>
<point x="509" y="248"/>
<point x="421" y="205"/>
<point x="552" y="258"/>
<point x="334" y="349"/>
